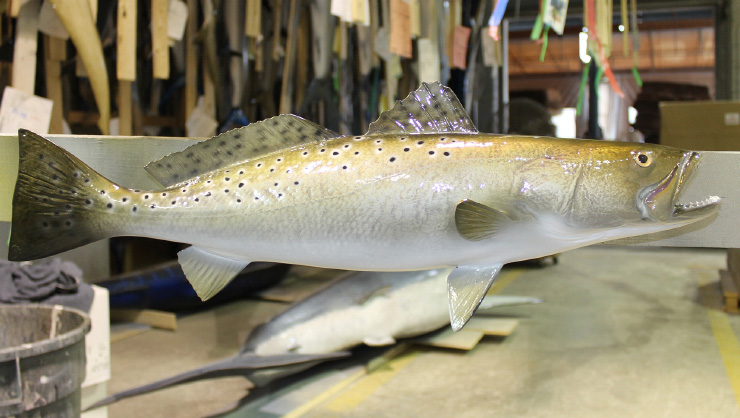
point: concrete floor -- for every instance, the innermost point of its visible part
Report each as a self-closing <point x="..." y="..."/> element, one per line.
<point x="624" y="332"/>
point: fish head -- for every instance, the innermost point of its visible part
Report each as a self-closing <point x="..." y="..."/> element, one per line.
<point x="648" y="180"/>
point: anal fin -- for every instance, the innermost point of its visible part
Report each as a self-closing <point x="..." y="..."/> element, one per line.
<point x="208" y="273"/>
<point x="466" y="288"/>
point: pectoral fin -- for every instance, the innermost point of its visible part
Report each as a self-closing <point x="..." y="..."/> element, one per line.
<point x="476" y="221"/>
<point x="208" y="273"/>
<point x="466" y="288"/>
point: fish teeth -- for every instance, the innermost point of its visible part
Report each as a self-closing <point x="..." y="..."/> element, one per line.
<point x="700" y="203"/>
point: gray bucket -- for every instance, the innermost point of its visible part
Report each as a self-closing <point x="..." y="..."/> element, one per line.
<point x="42" y="360"/>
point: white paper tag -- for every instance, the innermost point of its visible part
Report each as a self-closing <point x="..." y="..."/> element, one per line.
<point x="49" y="23"/>
<point x="732" y="119"/>
<point x="177" y="18"/>
<point x="23" y="110"/>
<point x="555" y="13"/>
<point x="490" y="46"/>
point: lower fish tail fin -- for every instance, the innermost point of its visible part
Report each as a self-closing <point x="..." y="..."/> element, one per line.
<point x="240" y="365"/>
<point x="56" y="201"/>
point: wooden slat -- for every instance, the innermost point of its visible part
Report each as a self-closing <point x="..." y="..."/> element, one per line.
<point x="54" y="51"/>
<point x="125" y="107"/>
<point x="191" y="59"/>
<point x="730" y="291"/>
<point x="26" y="45"/>
<point x="126" y="48"/>
<point x="157" y="319"/>
<point x="160" y="42"/>
<point x="122" y="158"/>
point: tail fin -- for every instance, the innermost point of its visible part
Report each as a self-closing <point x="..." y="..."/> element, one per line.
<point x="56" y="199"/>
<point x="240" y="365"/>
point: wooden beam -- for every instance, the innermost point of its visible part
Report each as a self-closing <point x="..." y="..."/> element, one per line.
<point x="126" y="47"/>
<point x="54" y="53"/>
<point x="160" y="42"/>
<point x="191" y="59"/>
<point x="26" y="45"/>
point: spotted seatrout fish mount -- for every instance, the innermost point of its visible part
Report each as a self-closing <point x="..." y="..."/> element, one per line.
<point x="421" y="189"/>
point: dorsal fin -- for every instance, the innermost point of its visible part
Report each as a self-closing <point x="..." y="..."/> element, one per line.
<point x="237" y="145"/>
<point x="431" y="109"/>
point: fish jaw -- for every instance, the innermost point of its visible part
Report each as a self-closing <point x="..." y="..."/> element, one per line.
<point x="660" y="201"/>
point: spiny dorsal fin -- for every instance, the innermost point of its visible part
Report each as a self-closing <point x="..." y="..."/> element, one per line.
<point x="237" y="145"/>
<point x="431" y="109"/>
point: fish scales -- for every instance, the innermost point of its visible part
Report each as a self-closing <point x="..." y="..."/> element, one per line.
<point x="421" y="190"/>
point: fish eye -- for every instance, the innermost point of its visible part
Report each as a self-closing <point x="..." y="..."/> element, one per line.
<point x="643" y="159"/>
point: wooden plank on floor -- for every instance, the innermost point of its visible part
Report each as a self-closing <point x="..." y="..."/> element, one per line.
<point x="500" y="327"/>
<point x="730" y="291"/>
<point x="157" y="319"/>
<point x="465" y="339"/>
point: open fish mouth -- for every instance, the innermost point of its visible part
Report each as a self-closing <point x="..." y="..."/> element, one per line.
<point x="661" y="201"/>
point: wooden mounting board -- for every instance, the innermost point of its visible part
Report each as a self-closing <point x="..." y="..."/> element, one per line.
<point x="122" y="160"/>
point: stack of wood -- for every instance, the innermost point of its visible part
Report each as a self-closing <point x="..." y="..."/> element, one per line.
<point x="730" y="281"/>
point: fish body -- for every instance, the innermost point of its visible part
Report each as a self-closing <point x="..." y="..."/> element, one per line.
<point x="373" y="308"/>
<point x="421" y="190"/>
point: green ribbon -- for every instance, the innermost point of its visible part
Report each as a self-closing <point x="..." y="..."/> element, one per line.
<point x="582" y="89"/>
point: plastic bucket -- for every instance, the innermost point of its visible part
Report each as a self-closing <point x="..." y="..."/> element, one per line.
<point x="42" y="360"/>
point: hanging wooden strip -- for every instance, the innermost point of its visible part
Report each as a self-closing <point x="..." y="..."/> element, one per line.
<point x="160" y="43"/>
<point x="26" y="45"/>
<point x="126" y="47"/>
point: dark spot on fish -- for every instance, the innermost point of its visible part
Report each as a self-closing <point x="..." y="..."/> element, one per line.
<point x="109" y="205"/>
<point x="54" y="177"/>
<point x="256" y="198"/>
<point x="41" y="156"/>
<point x="68" y="223"/>
<point x="377" y="142"/>
<point x="164" y="194"/>
<point x="346" y="146"/>
<point x="227" y="179"/>
<point x="403" y="138"/>
<point x="305" y="152"/>
<point x="69" y="207"/>
<point x="279" y="159"/>
<point x="173" y="202"/>
<point x="50" y="164"/>
<point x="393" y="159"/>
<point x="357" y="152"/>
<point x="275" y="184"/>
<point x="88" y="202"/>
<point x="358" y="137"/>
<point x="87" y="180"/>
<point x="222" y="143"/>
<point x="215" y="153"/>
<point x="226" y="190"/>
<point x="196" y="199"/>
<point x="146" y="196"/>
<point x="152" y="206"/>
<point x="335" y="153"/>
<point x="272" y="170"/>
<point x="133" y="209"/>
<point x="184" y="190"/>
<point x="189" y="155"/>
<point x="238" y="200"/>
<point x="175" y="176"/>
<point x="344" y="167"/>
<point x="241" y="185"/>
<point x="229" y="153"/>
<point x="380" y="149"/>
<point x="102" y="192"/>
<point x="241" y="172"/>
<point x="442" y="139"/>
<point x="287" y="171"/>
<point x="304" y="138"/>
<point x="44" y="200"/>
<point x="237" y="136"/>
<point x="322" y="150"/>
<point x="197" y="161"/>
<point x="137" y="191"/>
<point x="57" y="213"/>
<point x="431" y="152"/>
<point x="169" y="165"/>
<point x="447" y="154"/>
<point x="420" y="142"/>
<point x="407" y="149"/>
<point x="75" y="174"/>
<point x="259" y="165"/>
<point x="317" y="132"/>
<point x="208" y="193"/>
<point x="208" y="181"/>
<point x="238" y="146"/>
<point x="124" y="200"/>
<point x="295" y="182"/>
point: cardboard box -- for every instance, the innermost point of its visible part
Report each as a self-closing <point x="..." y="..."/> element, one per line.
<point x="701" y="126"/>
